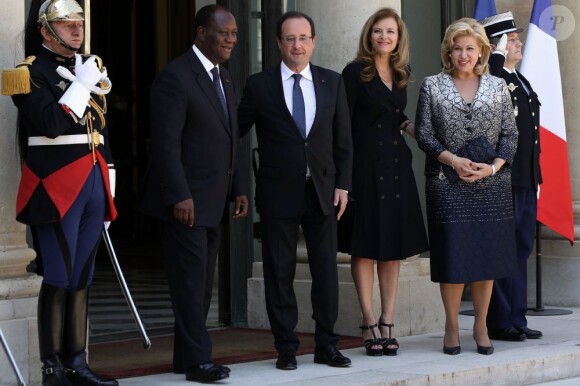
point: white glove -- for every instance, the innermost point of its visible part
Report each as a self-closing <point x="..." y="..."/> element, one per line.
<point x="87" y="75"/>
<point x="112" y="179"/>
<point x="502" y="45"/>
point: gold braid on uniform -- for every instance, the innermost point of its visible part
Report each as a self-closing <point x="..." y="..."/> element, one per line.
<point x="100" y="111"/>
<point x="17" y="80"/>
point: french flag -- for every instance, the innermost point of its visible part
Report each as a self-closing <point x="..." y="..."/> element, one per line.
<point x="484" y="8"/>
<point x="542" y="68"/>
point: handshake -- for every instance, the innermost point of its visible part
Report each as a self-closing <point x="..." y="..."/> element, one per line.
<point x="87" y="79"/>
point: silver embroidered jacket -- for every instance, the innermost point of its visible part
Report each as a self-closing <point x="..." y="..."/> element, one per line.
<point x="445" y="122"/>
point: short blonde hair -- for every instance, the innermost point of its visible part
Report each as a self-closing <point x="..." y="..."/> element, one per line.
<point x="465" y="27"/>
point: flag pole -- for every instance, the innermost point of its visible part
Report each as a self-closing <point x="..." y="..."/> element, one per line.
<point x="539" y="310"/>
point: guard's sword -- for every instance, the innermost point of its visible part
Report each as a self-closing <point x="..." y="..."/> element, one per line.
<point x="124" y="288"/>
<point x="11" y="359"/>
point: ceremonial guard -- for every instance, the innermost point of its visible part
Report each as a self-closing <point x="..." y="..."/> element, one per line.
<point x="65" y="191"/>
<point x="506" y="319"/>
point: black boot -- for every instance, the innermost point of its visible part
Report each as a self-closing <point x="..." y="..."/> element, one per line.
<point x="51" y="304"/>
<point x="75" y="341"/>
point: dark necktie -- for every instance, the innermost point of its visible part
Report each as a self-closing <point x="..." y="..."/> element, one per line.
<point x="218" y="89"/>
<point x="298" y="109"/>
<point x="522" y="84"/>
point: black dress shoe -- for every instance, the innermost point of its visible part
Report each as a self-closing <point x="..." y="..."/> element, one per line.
<point x="286" y="361"/>
<point x="529" y="333"/>
<point x="329" y="355"/>
<point x="484" y="350"/>
<point x="180" y="370"/>
<point x="223" y="368"/>
<point x="205" y="373"/>
<point x="509" y="334"/>
<point x="453" y="350"/>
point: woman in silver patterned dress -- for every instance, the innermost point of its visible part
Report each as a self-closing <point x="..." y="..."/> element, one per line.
<point x="469" y="203"/>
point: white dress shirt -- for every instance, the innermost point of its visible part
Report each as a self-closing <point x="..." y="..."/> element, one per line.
<point x="207" y="64"/>
<point x="307" y="86"/>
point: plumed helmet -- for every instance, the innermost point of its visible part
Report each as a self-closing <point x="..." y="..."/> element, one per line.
<point x="60" y="10"/>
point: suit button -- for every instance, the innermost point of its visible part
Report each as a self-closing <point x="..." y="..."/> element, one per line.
<point x="229" y="171"/>
<point x="536" y="141"/>
<point x="396" y="178"/>
<point x="380" y="143"/>
<point x="381" y="178"/>
<point x="398" y="195"/>
<point x="306" y="144"/>
<point x="515" y="98"/>
<point x="536" y="127"/>
<point x="533" y="114"/>
<point x="530" y="100"/>
<point x="397" y="110"/>
<point x="396" y="160"/>
<point x="382" y="197"/>
<point x="379" y="125"/>
<point x="395" y="143"/>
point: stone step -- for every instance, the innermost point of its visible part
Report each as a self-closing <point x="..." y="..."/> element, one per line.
<point x="553" y="361"/>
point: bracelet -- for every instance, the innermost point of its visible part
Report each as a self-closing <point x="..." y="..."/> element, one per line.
<point x="452" y="164"/>
<point x="492" y="170"/>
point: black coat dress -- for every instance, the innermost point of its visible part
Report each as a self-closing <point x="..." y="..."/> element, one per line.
<point x="387" y="222"/>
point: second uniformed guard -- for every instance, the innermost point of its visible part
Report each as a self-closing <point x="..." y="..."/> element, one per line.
<point x="65" y="190"/>
<point x="506" y="318"/>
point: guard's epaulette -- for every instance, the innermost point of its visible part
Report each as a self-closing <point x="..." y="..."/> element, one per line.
<point x="17" y="80"/>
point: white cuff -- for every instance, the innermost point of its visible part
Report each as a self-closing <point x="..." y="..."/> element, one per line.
<point x="76" y="98"/>
<point x="112" y="180"/>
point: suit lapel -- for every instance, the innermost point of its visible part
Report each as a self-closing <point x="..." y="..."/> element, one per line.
<point x="388" y="98"/>
<point x="206" y="85"/>
<point x="278" y="94"/>
<point x="230" y="94"/>
<point x="457" y="100"/>
<point x="320" y="89"/>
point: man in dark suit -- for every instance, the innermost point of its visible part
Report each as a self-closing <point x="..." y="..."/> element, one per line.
<point x="506" y="318"/>
<point x="305" y="152"/>
<point x="192" y="175"/>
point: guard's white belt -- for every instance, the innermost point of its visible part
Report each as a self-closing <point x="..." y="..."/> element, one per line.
<point x="73" y="139"/>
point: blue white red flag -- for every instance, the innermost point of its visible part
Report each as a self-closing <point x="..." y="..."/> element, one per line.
<point x="542" y="68"/>
<point x="484" y="8"/>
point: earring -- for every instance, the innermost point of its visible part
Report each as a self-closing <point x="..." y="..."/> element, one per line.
<point x="480" y="55"/>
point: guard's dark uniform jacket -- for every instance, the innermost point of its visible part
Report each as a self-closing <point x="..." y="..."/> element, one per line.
<point x="53" y="175"/>
<point x="526" y="164"/>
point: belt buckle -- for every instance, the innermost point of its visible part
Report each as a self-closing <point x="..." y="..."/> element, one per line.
<point x="96" y="138"/>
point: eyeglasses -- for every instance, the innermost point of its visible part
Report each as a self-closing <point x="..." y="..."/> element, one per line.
<point x="291" y="40"/>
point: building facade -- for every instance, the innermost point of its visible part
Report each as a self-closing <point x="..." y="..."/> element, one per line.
<point x="137" y="38"/>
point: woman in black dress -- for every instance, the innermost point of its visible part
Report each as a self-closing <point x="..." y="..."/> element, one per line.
<point x="387" y="220"/>
<point x="468" y="189"/>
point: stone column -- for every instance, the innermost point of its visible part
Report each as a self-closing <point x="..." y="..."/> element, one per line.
<point x="18" y="289"/>
<point x="338" y="25"/>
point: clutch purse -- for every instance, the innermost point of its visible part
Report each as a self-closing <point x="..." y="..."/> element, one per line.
<point x="477" y="149"/>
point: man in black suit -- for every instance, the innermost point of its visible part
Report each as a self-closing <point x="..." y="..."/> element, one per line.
<point x="305" y="152"/>
<point x="506" y="318"/>
<point x="192" y="175"/>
